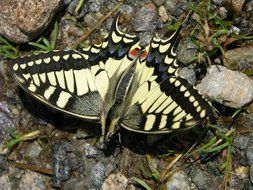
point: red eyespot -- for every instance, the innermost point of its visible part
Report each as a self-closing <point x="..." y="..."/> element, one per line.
<point x="144" y="55"/>
<point x="133" y="53"/>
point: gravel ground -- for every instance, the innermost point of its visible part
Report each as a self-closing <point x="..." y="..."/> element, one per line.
<point x="59" y="152"/>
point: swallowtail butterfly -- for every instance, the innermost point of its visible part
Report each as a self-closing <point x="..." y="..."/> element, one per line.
<point x="116" y="83"/>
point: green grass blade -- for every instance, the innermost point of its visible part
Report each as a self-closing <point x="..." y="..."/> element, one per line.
<point x="142" y="183"/>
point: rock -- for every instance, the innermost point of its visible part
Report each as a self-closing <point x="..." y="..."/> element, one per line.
<point x="62" y="163"/>
<point x="5" y="182"/>
<point x="75" y="184"/>
<point x="90" y="19"/>
<point x="223" y="13"/>
<point x="32" y="180"/>
<point x="116" y="182"/>
<point x="249" y="7"/>
<point x="249" y="155"/>
<point x="158" y="2"/>
<point x="179" y="9"/>
<point x="6" y="122"/>
<point x="21" y="21"/>
<point x="68" y="33"/>
<point x="6" y="125"/>
<point x="33" y="150"/>
<point x="244" y="120"/>
<point x="72" y="9"/>
<point x="145" y="38"/>
<point x="240" y="58"/>
<point x="178" y="181"/>
<point x="235" y="6"/>
<point x="251" y="173"/>
<point x="145" y="18"/>
<point x="188" y="73"/>
<point x="234" y="30"/>
<point x="91" y="151"/>
<point x="95" y="5"/>
<point x="163" y="14"/>
<point x="97" y="175"/>
<point x="241" y="142"/>
<point x="187" y="51"/>
<point x="126" y="9"/>
<point x="81" y="134"/>
<point x="242" y="172"/>
<point x="199" y="179"/>
<point x="170" y="4"/>
<point x="232" y="88"/>
<point x="217" y="2"/>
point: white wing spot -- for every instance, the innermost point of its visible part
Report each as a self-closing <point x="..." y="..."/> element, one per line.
<point x="65" y="57"/>
<point x="168" y="60"/>
<point x="63" y="99"/>
<point x="36" y="79"/>
<point x="186" y="94"/>
<point x="51" y="78"/>
<point x="192" y="99"/>
<point x="176" y="125"/>
<point x="23" y="66"/>
<point x="163" y="121"/>
<point x="81" y="82"/>
<point x="47" y="60"/>
<point x="164" y="48"/>
<point x="177" y="83"/>
<point x="171" y="70"/>
<point x="198" y="109"/>
<point x="56" y="58"/>
<point x="127" y="40"/>
<point x="182" y="88"/>
<point x="104" y="45"/>
<point x="60" y="78"/>
<point x="203" y="113"/>
<point x="30" y="63"/>
<point x="39" y="61"/>
<point x="172" y="80"/>
<point x="76" y="56"/>
<point x="15" y="67"/>
<point x="150" y="122"/>
<point x="42" y="77"/>
<point x="32" y="87"/>
<point x="49" y="92"/>
<point x="94" y="50"/>
<point x="115" y="38"/>
<point x="195" y="104"/>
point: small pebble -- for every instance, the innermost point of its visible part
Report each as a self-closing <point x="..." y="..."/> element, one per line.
<point x="145" y="18"/>
<point x="158" y="2"/>
<point x="249" y="155"/>
<point x="97" y="175"/>
<point x="223" y="12"/>
<point x="32" y="180"/>
<point x="242" y="172"/>
<point x="116" y="182"/>
<point x="178" y="181"/>
<point x="199" y="179"/>
<point x="5" y="183"/>
<point x="241" y="142"/>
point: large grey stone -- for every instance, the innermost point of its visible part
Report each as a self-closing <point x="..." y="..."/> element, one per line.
<point x="231" y="88"/>
<point x="21" y="21"/>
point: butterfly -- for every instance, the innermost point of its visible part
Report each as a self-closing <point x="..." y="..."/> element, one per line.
<point x="117" y="83"/>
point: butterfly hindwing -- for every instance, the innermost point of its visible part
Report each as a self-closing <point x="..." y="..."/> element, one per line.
<point x="162" y="101"/>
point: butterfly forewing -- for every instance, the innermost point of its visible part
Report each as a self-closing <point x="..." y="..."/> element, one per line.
<point x="62" y="80"/>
